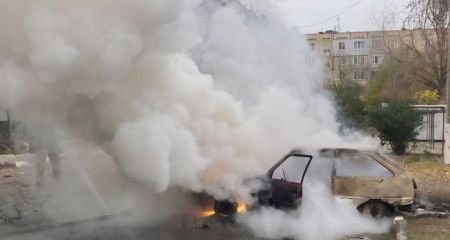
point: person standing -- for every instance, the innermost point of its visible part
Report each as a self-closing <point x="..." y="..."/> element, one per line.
<point x="54" y="157"/>
<point x="45" y="141"/>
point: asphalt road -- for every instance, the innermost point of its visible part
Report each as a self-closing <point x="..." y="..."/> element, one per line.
<point x="112" y="228"/>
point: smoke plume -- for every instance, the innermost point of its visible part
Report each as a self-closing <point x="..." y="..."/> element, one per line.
<point x="190" y="94"/>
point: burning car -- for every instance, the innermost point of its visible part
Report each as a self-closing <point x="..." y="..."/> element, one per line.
<point x="375" y="184"/>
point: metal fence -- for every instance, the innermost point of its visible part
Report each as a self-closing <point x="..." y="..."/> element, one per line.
<point x="5" y="127"/>
<point x="13" y="135"/>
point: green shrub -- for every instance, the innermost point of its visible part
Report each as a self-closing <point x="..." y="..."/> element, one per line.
<point x="397" y="125"/>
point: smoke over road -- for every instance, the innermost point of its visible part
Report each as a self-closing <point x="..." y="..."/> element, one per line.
<point x="189" y="94"/>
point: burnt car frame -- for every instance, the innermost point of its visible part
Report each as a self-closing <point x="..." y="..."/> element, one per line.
<point x="377" y="194"/>
<point x="377" y="188"/>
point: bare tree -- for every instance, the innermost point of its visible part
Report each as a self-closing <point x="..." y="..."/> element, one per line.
<point x="424" y="49"/>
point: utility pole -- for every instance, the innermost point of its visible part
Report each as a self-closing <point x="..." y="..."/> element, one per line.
<point x="448" y="63"/>
<point x="8" y="120"/>
<point x="447" y="125"/>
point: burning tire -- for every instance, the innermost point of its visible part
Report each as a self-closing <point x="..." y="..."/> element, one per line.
<point x="225" y="208"/>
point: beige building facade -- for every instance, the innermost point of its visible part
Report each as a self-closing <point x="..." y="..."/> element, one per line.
<point x="357" y="55"/>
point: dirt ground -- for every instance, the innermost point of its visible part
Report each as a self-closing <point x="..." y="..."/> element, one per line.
<point x="433" y="182"/>
<point x="22" y="209"/>
<point x="24" y="214"/>
<point x="428" y="228"/>
<point x="432" y="177"/>
<point x="18" y="206"/>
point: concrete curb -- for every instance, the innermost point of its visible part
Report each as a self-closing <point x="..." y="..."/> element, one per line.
<point x="400" y="225"/>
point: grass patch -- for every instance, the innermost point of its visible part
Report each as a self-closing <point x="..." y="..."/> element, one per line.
<point x="428" y="236"/>
<point x="415" y="158"/>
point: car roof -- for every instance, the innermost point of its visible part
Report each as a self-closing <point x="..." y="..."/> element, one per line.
<point x="303" y="151"/>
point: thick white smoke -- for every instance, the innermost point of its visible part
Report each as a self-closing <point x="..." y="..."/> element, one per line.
<point x="179" y="93"/>
<point x="175" y="88"/>
<point x="320" y="216"/>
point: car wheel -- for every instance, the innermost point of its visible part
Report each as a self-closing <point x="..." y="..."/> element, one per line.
<point x="225" y="208"/>
<point x="375" y="209"/>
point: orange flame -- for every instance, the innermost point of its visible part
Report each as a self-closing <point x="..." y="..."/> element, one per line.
<point x="208" y="213"/>
<point x="242" y="208"/>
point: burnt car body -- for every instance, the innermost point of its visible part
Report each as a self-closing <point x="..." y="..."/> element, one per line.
<point x="381" y="186"/>
<point x="375" y="184"/>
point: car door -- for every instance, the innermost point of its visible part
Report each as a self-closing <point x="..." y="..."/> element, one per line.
<point x="286" y="178"/>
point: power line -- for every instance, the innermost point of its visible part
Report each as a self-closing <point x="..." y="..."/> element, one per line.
<point x="330" y="18"/>
<point x="320" y="4"/>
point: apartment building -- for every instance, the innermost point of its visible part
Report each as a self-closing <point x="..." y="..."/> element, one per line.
<point x="357" y="55"/>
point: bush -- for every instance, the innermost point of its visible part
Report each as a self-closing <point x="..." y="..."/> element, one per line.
<point x="397" y="125"/>
<point x="427" y="97"/>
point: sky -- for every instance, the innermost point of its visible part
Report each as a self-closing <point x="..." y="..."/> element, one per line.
<point x="361" y="15"/>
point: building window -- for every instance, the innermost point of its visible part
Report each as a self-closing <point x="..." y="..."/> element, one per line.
<point x="312" y="46"/>
<point x="342" y="60"/>
<point x="358" y="75"/>
<point x="358" y="60"/>
<point x="341" y="45"/>
<point x="394" y="43"/>
<point x="377" y="43"/>
<point x="358" y="44"/>
<point x="326" y="51"/>
<point x="377" y="59"/>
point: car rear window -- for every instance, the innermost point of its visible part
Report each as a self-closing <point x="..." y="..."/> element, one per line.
<point x="358" y="164"/>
